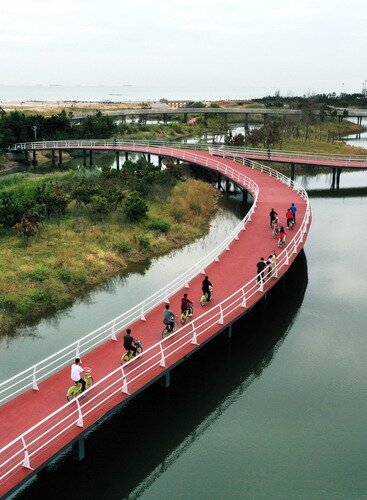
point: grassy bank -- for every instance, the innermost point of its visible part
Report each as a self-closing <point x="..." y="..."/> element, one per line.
<point x="74" y="253"/>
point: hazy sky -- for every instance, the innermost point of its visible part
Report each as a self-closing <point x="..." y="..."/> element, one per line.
<point x="291" y="45"/>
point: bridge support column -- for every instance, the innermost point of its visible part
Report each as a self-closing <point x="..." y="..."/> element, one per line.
<point x="166" y="380"/>
<point x="333" y="178"/>
<point x="246" y="123"/>
<point x="148" y="157"/>
<point x="338" y="172"/>
<point x="90" y="158"/>
<point x="126" y="156"/>
<point x="292" y="171"/>
<point x="185" y="117"/>
<point x="34" y="158"/>
<point x="53" y="157"/>
<point x="84" y="157"/>
<point x="160" y="161"/>
<point x="165" y="119"/>
<point x="117" y="153"/>
<point x="26" y="157"/>
<point x="228" y="332"/>
<point x="228" y="185"/>
<point x="79" y="450"/>
<point x="219" y="181"/>
<point x="178" y="162"/>
<point x="60" y="158"/>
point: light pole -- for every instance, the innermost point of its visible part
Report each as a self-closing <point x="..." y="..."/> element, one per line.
<point x="35" y="132"/>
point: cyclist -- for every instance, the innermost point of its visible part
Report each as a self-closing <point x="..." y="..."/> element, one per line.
<point x="186" y="305"/>
<point x="273" y="216"/>
<point x="130" y="343"/>
<point x="206" y="288"/>
<point x="281" y="237"/>
<point x="77" y="373"/>
<point x="169" y="318"/>
<point x="289" y="217"/>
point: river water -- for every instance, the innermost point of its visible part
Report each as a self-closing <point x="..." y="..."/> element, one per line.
<point x="278" y="411"/>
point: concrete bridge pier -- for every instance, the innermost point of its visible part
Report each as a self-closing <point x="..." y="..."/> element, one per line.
<point x="228" y="332"/>
<point x="60" y="158"/>
<point x="333" y="178"/>
<point x="126" y="156"/>
<point x="228" y="185"/>
<point x="292" y="171"/>
<point x="166" y="380"/>
<point x="79" y="449"/>
<point x="26" y="157"/>
<point x="160" y="161"/>
<point x="165" y="119"/>
<point x="117" y="154"/>
<point x="34" y="158"/>
<point x="219" y="181"/>
<point x="84" y="158"/>
<point x="246" y="123"/>
<point x="148" y="158"/>
<point x="90" y="158"/>
<point x="338" y="173"/>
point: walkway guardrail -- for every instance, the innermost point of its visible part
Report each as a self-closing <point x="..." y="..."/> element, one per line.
<point x="95" y="143"/>
<point x="31" y="377"/>
<point x="23" y="450"/>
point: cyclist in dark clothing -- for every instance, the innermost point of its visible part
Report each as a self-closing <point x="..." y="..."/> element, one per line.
<point x="206" y="287"/>
<point x="129" y="342"/>
<point x="186" y="304"/>
<point x="273" y="215"/>
<point x="261" y="265"/>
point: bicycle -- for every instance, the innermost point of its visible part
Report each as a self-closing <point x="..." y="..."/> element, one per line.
<point x="129" y="354"/>
<point x="167" y="330"/>
<point x="187" y="314"/>
<point x="76" y="389"/>
<point x="204" y="298"/>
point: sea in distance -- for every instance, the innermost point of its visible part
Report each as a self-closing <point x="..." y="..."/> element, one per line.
<point x="126" y="92"/>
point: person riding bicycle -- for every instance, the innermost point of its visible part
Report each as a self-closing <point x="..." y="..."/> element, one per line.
<point x="130" y="343"/>
<point x="289" y="217"/>
<point x="77" y="373"/>
<point x="186" y="305"/>
<point x="273" y="216"/>
<point x="169" y="318"/>
<point x="206" y="288"/>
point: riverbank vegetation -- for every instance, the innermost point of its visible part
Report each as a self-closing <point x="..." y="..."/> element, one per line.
<point x="306" y="133"/>
<point x="64" y="233"/>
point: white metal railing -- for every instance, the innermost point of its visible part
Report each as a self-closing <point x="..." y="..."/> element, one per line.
<point x="23" y="450"/>
<point x="31" y="377"/>
<point x="361" y="160"/>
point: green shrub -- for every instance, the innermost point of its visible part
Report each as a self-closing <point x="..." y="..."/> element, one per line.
<point x="122" y="247"/>
<point x="8" y="302"/>
<point x="144" y="242"/>
<point x="39" y="274"/>
<point x="65" y="274"/>
<point x="135" y="207"/>
<point x="159" y="225"/>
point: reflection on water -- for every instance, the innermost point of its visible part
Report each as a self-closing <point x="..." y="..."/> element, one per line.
<point x="185" y="412"/>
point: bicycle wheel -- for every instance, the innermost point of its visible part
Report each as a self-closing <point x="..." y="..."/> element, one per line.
<point x="183" y="318"/>
<point x="73" y="392"/>
<point x="91" y="381"/>
<point x="165" y="333"/>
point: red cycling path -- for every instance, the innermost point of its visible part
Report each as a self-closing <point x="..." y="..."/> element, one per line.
<point x="235" y="268"/>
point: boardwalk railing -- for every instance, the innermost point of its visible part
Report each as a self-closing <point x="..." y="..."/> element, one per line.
<point x="23" y="451"/>
<point x="361" y="160"/>
<point x="31" y="377"/>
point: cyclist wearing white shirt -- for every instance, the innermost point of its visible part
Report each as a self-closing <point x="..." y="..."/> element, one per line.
<point x="76" y="374"/>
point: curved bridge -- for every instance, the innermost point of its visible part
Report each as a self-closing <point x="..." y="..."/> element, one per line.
<point x="37" y="424"/>
<point x="277" y="156"/>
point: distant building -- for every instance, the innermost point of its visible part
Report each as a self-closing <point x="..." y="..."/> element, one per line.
<point x="175" y="104"/>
